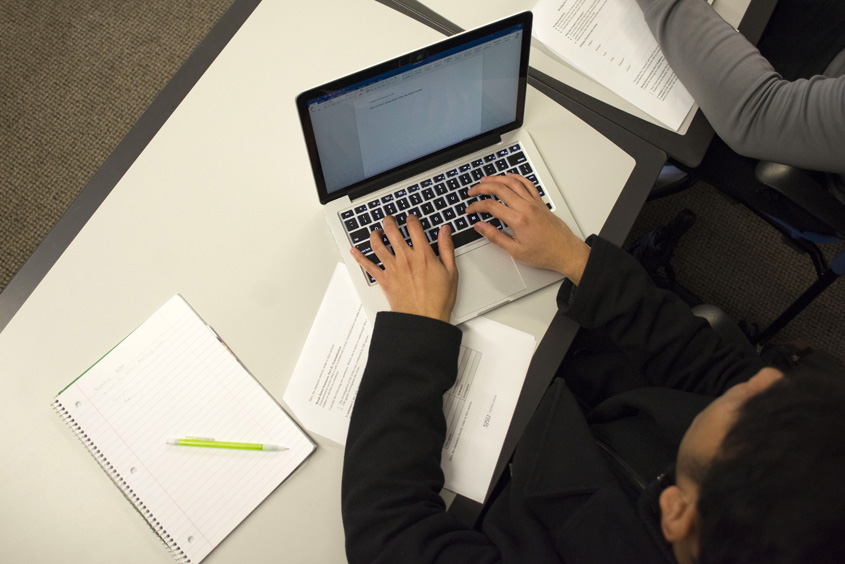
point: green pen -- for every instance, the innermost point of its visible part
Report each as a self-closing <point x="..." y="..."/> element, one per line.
<point x="211" y="443"/>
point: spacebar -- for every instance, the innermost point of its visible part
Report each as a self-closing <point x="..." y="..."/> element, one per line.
<point x="460" y="239"/>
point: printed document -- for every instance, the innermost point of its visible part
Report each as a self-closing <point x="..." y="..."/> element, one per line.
<point x="609" y="41"/>
<point x="492" y="365"/>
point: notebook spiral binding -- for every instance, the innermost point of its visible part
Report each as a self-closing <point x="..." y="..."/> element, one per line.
<point x="171" y="545"/>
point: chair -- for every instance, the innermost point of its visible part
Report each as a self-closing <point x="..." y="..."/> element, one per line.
<point x="727" y="329"/>
<point x="783" y="196"/>
<point x="784" y="357"/>
<point x="809" y="192"/>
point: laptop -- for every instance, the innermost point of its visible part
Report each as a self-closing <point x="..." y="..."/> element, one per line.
<point x="411" y="136"/>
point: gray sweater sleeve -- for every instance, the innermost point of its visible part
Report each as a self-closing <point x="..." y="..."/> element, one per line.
<point x="752" y="108"/>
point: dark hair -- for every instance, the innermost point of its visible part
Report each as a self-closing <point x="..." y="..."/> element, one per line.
<point x="775" y="493"/>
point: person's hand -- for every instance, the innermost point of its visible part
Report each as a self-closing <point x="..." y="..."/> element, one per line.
<point x="414" y="280"/>
<point x="540" y="238"/>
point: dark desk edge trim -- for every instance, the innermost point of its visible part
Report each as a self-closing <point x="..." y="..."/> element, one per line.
<point x="688" y="148"/>
<point x="118" y="162"/>
<point x="423" y="14"/>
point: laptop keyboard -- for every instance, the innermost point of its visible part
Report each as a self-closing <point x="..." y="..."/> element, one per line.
<point x="437" y="201"/>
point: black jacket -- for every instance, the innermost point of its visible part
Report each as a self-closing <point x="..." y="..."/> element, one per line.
<point x="640" y="369"/>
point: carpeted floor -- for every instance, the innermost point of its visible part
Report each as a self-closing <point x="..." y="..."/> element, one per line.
<point x="77" y="74"/>
<point x="735" y="260"/>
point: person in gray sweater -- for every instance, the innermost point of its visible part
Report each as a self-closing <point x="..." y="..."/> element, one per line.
<point x="758" y="112"/>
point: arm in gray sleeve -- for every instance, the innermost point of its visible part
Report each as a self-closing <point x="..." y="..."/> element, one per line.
<point x="752" y="108"/>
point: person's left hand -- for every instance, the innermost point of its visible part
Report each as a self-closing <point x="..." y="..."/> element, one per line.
<point x="414" y="280"/>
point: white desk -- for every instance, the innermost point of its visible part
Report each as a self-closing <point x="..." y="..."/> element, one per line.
<point x="199" y="213"/>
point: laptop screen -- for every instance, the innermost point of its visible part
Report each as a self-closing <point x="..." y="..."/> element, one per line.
<point x="374" y="124"/>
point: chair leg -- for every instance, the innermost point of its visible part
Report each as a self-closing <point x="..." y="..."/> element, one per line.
<point x="819" y="286"/>
<point x="810" y="249"/>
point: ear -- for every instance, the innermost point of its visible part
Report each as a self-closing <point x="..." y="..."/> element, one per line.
<point x="678" y="515"/>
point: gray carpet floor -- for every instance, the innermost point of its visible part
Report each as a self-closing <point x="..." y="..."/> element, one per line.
<point x="77" y="74"/>
<point x="735" y="260"/>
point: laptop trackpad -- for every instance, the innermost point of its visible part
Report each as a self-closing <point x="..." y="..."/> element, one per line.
<point x="486" y="276"/>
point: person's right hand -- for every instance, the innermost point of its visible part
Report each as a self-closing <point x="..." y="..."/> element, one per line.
<point x="540" y="238"/>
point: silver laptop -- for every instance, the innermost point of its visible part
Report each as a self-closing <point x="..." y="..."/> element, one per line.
<point x="411" y="136"/>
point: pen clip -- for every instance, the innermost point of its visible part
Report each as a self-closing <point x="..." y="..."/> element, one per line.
<point x="192" y="438"/>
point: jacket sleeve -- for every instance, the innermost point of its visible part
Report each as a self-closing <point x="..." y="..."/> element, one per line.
<point x="653" y="328"/>
<point x="391" y="507"/>
<point x="752" y="108"/>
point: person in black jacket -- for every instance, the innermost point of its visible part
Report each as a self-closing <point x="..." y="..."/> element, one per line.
<point x="645" y="384"/>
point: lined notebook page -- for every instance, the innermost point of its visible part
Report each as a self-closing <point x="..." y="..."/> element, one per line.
<point x="173" y="378"/>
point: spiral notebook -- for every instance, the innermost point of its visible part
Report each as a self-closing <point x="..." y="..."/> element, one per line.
<point x="173" y="377"/>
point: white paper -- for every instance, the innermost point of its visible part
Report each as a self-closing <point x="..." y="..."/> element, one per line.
<point x="325" y="381"/>
<point x="492" y="366"/>
<point x="609" y="41"/>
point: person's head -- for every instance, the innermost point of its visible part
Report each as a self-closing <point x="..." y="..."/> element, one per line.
<point x="760" y="474"/>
